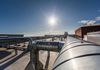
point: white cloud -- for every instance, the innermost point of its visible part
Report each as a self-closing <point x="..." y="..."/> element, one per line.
<point x="99" y="10"/>
<point x="97" y="18"/>
<point x="83" y="21"/>
<point x="91" y="22"/>
<point x="87" y="22"/>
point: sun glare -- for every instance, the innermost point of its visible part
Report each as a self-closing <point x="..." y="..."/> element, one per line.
<point x="52" y="20"/>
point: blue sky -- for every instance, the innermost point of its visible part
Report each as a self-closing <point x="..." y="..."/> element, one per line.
<point x="29" y="17"/>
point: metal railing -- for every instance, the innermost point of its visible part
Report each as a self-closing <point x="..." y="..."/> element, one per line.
<point x="35" y="47"/>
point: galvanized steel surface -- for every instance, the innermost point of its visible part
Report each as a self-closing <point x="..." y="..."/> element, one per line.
<point x="78" y="56"/>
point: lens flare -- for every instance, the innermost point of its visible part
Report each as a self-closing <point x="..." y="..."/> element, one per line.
<point x="52" y="20"/>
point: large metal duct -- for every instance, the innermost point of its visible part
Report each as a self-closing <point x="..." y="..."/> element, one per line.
<point x="78" y="55"/>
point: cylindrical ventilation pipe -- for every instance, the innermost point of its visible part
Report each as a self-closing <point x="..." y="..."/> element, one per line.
<point x="76" y="55"/>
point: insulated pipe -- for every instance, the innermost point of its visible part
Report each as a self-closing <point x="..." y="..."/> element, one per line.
<point x="76" y="55"/>
<point x="34" y="47"/>
<point x="48" y="46"/>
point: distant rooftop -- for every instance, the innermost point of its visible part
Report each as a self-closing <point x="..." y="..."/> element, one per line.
<point x="91" y="25"/>
<point x="83" y="30"/>
<point x="11" y="35"/>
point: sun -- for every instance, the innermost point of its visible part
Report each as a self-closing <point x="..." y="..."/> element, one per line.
<point x="52" y="20"/>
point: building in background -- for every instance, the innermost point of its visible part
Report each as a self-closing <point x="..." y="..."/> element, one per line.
<point x="11" y="35"/>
